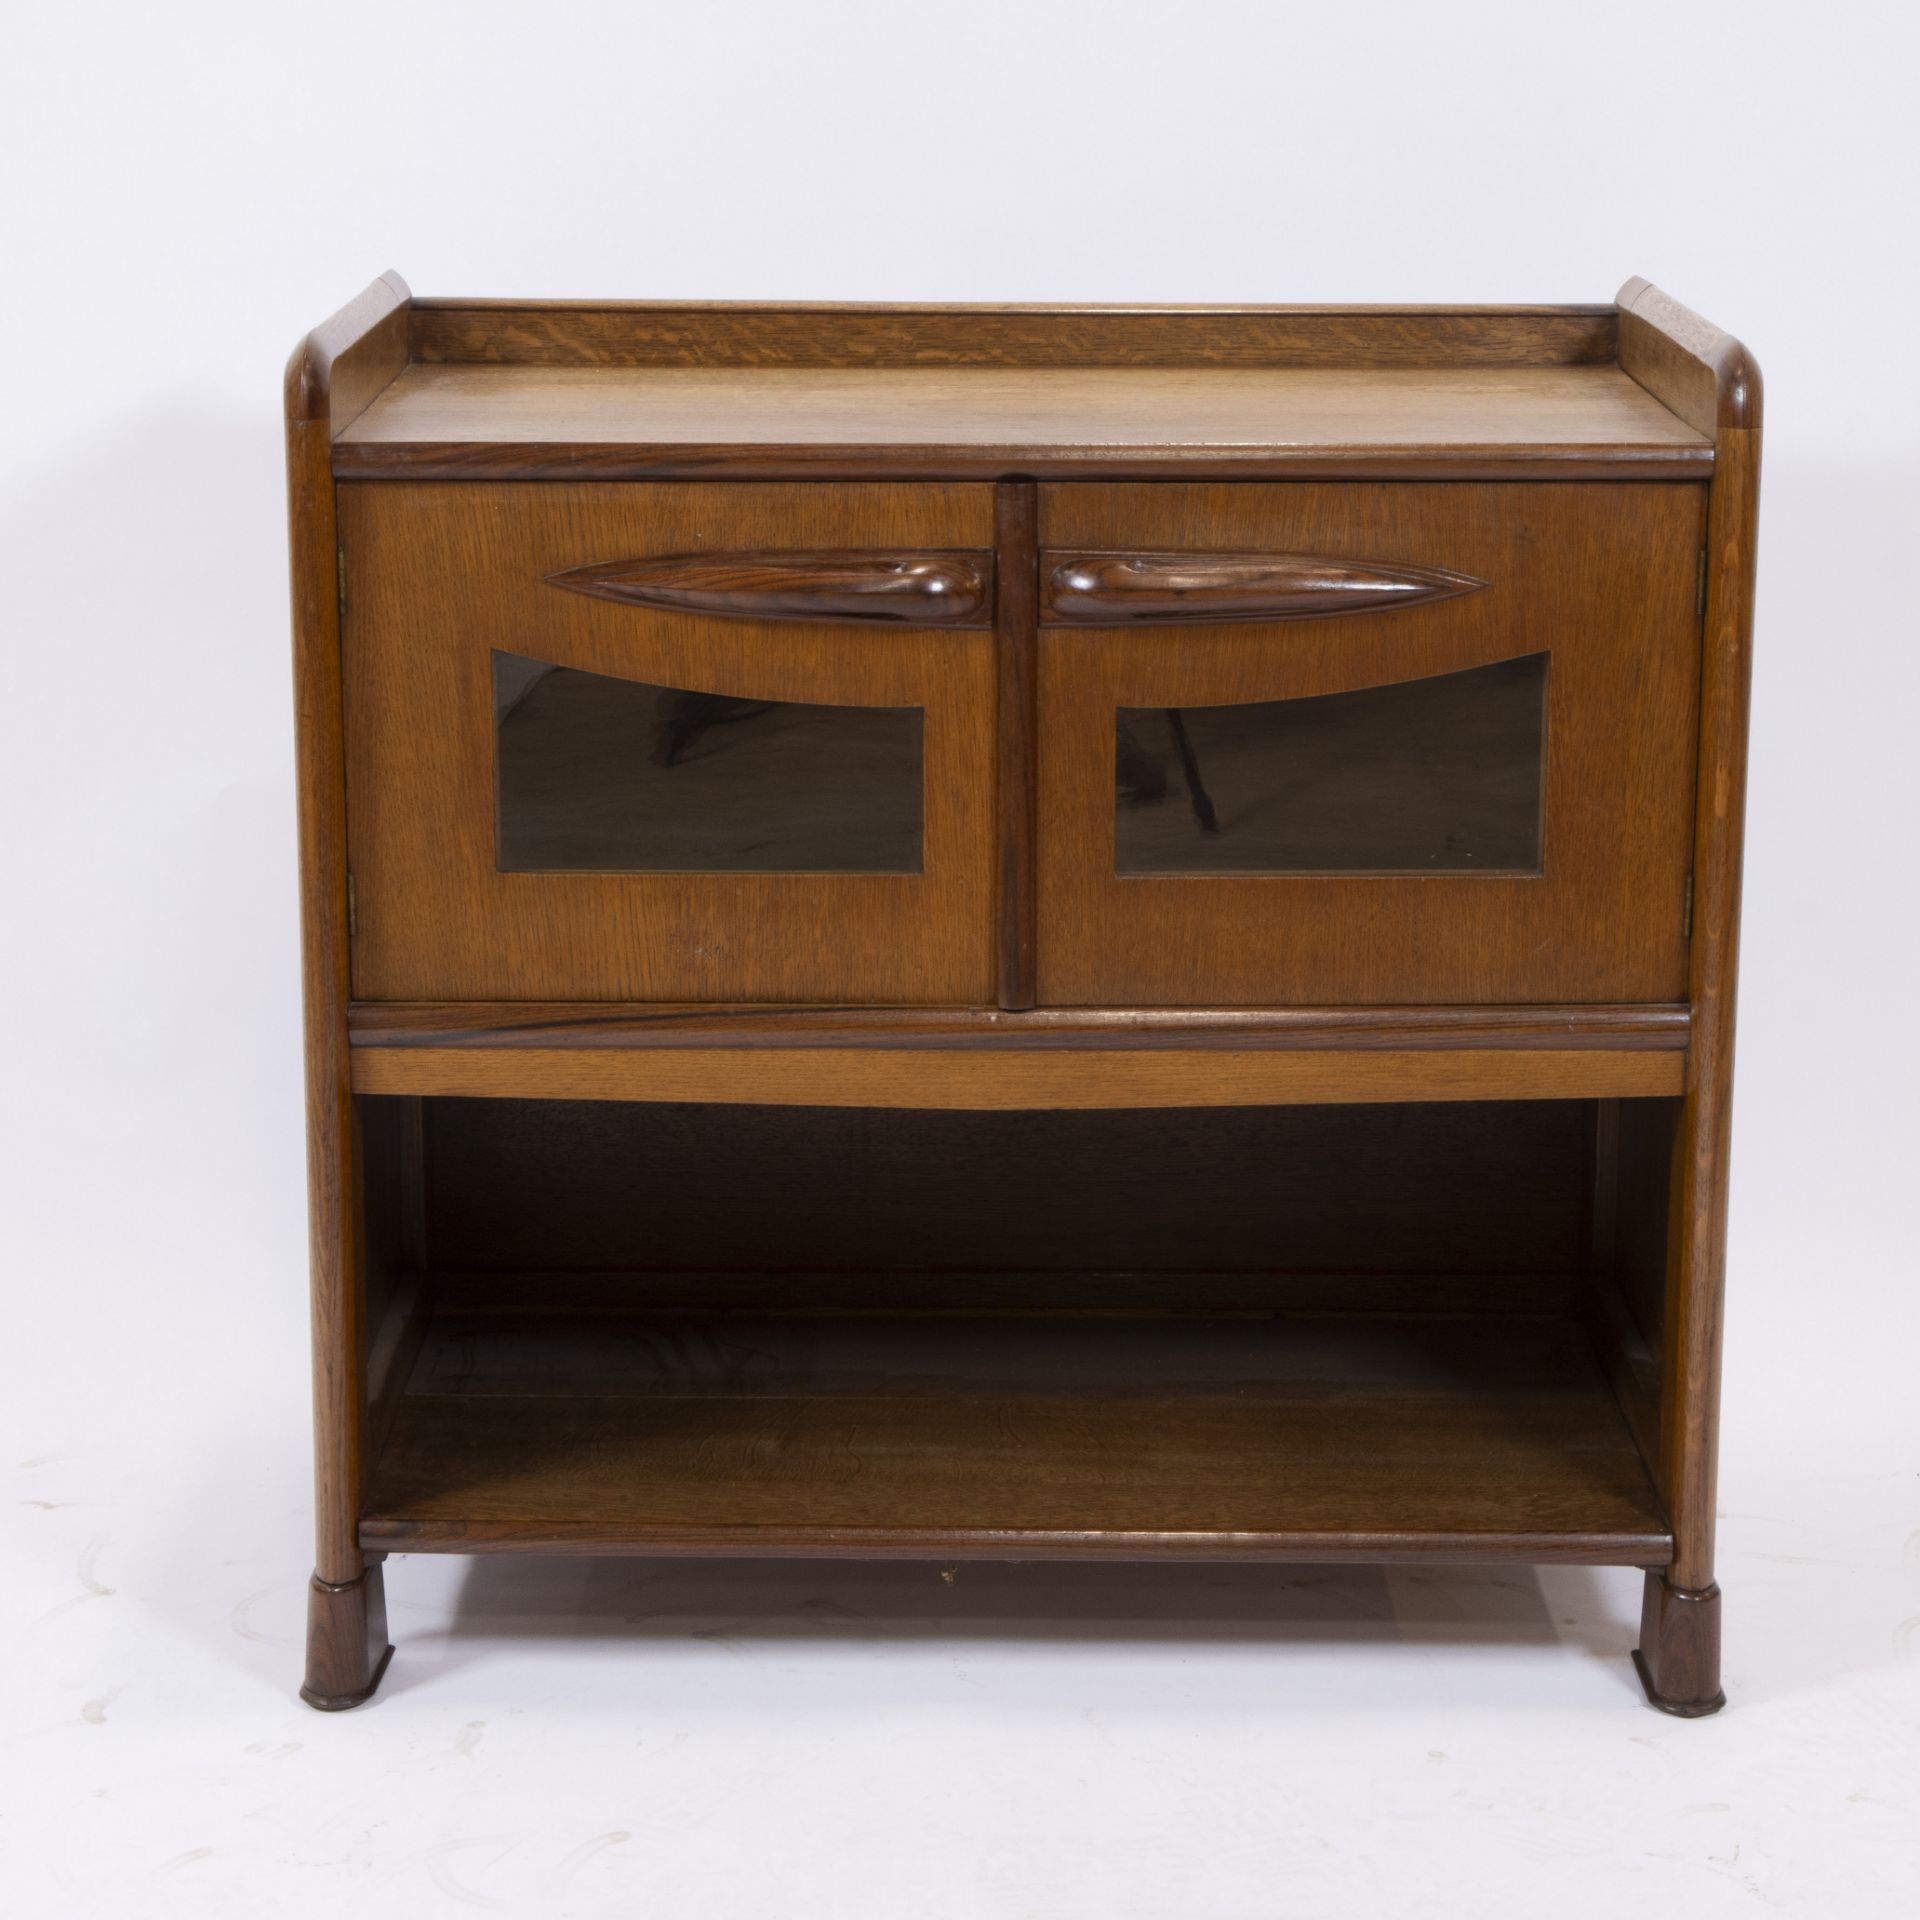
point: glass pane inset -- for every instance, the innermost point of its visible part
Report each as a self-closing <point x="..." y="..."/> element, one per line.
<point x="595" y="774"/>
<point x="1442" y="775"/>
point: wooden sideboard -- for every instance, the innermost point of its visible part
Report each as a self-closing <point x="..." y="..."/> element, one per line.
<point x="1020" y="932"/>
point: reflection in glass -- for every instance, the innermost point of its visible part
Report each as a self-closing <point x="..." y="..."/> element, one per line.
<point x="1442" y="775"/>
<point x="597" y="774"/>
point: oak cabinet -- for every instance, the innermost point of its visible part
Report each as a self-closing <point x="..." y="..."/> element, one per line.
<point x="1020" y="932"/>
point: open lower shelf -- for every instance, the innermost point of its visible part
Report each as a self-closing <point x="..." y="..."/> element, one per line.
<point x="1373" y="1436"/>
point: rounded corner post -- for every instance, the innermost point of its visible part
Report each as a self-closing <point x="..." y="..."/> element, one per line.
<point x="1710" y="380"/>
<point x="1742" y="390"/>
<point x="361" y="324"/>
<point x="1709" y="377"/>
<point x="305" y="385"/>
<point x="334" y="372"/>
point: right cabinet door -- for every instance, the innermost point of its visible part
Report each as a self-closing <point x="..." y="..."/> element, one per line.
<point x="1381" y="744"/>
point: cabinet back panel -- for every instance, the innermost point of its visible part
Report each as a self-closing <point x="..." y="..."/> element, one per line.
<point x="1496" y="1188"/>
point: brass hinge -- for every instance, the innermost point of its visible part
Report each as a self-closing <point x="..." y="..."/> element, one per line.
<point x="1686" y="912"/>
<point x="340" y="574"/>
<point x="353" y="909"/>
<point x="1699" y="603"/>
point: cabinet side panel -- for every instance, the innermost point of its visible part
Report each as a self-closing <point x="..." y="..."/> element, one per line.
<point x="332" y="1174"/>
<point x="1696" y="1284"/>
<point x="332" y="375"/>
<point x="1643" y="1204"/>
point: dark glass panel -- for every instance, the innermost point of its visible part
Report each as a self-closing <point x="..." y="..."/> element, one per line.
<point x="1442" y="775"/>
<point x="601" y="775"/>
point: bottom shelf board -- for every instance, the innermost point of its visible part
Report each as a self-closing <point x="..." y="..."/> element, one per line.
<point x="1012" y="1436"/>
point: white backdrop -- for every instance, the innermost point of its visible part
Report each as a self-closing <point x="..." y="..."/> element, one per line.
<point x="187" y="189"/>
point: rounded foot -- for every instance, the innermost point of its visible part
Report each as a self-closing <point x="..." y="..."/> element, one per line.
<point x="347" y="1650"/>
<point x="1678" y="1658"/>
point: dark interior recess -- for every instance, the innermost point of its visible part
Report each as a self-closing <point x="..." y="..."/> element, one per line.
<point x="601" y="1326"/>
<point x="1439" y="775"/>
<point x="598" y="774"/>
<point x="1497" y="1188"/>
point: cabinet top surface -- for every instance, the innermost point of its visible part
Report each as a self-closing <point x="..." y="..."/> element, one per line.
<point x="503" y="416"/>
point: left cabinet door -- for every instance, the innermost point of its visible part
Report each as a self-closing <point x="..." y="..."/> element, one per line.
<point x="679" y="742"/>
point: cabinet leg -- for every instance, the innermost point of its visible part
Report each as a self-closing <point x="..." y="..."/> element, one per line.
<point x="1678" y="1657"/>
<point x="347" y="1648"/>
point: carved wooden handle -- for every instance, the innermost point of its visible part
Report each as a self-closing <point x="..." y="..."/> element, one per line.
<point x="1133" y="589"/>
<point x="927" y="589"/>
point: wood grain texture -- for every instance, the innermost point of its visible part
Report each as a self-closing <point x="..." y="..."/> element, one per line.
<point x="980" y="1081"/>
<point x="1624" y="1284"/>
<point x="571" y="1024"/>
<point x="338" y="370"/>
<point x="1678" y="1657"/>
<point x="1642" y="1216"/>
<point x="333" y="1204"/>
<point x="923" y="1275"/>
<point x="331" y="375"/>
<point x="1632" y="1367"/>
<point x="347" y="1645"/>
<point x="1696" y="1281"/>
<point x="473" y="422"/>
<point x="1604" y="578"/>
<point x="1702" y="374"/>
<point x="439" y="577"/>
<point x="1016" y="520"/>
<point x="1162" y="589"/>
<point x="930" y="589"/>
<point x="773" y="335"/>
<point x="1706" y="376"/>
<point x="1273" y="1438"/>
